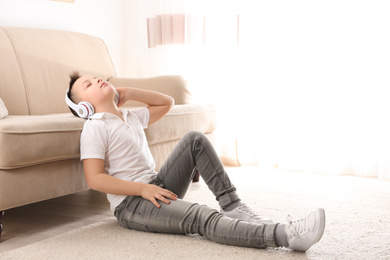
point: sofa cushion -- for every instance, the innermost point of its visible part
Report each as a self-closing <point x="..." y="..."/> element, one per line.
<point x="11" y="78"/>
<point x="31" y="140"/>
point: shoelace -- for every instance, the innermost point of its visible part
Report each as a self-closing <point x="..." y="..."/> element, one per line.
<point x="248" y="210"/>
<point x="296" y="226"/>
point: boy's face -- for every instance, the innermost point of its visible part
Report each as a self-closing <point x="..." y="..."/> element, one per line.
<point x="93" y="90"/>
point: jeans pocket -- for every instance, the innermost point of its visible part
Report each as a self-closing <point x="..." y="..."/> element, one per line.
<point x="136" y="226"/>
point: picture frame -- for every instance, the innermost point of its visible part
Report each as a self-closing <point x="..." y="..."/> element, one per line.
<point x="66" y="1"/>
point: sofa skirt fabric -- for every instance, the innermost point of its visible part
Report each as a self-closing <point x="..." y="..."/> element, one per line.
<point x="27" y="185"/>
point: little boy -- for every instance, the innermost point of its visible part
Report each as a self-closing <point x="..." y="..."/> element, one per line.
<point x="117" y="161"/>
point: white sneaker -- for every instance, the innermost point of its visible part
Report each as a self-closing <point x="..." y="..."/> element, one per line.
<point x="244" y="213"/>
<point x="305" y="232"/>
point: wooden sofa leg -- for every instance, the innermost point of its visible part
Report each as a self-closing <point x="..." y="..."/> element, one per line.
<point x="196" y="177"/>
<point x="1" y="224"/>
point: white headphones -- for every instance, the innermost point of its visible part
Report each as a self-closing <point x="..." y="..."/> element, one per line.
<point x="85" y="109"/>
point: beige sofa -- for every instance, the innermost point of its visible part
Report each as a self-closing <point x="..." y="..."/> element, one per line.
<point x="39" y="140"/>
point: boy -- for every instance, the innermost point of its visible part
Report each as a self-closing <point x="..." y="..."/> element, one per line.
<point x="117" y="161"/>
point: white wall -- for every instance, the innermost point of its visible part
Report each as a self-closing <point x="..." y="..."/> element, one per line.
<point x="131" y="38"/>
<point x="101" y="18"/>
<point x="136" y="55"/>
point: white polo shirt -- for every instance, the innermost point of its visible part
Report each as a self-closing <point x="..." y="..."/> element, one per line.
<point x="122" y="146"/>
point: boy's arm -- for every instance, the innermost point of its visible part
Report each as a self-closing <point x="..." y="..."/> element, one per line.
<point x="158" y="104"/>
<point x="100" y="181"/>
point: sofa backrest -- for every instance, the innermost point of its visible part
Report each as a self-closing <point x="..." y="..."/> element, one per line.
<point x="36" y="63"/>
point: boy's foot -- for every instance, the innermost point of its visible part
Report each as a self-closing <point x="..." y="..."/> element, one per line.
<point x="244" y="213"/>
<point x="305" y="232"/>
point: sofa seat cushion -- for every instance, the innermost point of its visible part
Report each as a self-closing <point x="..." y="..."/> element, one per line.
<point x="31" y="140"/>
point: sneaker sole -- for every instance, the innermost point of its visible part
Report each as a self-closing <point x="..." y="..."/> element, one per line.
<point x="321" y="229"/>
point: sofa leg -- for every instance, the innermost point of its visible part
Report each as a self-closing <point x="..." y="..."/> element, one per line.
<point x="1" y="224"/>
<point x="196" y="177"/>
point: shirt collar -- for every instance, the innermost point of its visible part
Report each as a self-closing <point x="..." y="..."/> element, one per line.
<point x="97" y="116"/>
<point x="105" y="115"/>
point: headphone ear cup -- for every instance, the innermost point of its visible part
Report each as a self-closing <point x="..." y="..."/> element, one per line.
<point x="85" y="109"/>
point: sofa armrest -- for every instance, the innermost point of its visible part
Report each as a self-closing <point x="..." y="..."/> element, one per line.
<point x="174" y="86"/>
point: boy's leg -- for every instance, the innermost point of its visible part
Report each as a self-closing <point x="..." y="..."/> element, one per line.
<point x="183" y="217"/>
<point x="195" y="152"/>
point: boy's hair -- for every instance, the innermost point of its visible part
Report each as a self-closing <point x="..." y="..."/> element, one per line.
<point x="75" y="75"/>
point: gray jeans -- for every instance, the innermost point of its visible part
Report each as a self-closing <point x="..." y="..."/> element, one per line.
<point x="194" y="152"/>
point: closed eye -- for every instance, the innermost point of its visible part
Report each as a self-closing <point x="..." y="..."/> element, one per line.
<point x="86" y="83"/>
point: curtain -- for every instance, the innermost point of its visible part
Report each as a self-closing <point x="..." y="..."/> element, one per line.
<point x="299" y="85"/>
<point x="322" y="76"/>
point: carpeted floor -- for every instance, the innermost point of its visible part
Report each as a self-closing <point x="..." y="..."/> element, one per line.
<point x="358" y="223"/>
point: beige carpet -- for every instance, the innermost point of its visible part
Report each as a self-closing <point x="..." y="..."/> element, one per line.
<point x="358" y="223"/>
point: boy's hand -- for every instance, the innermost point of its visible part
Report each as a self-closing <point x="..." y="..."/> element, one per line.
<point x="158" y="104"/>
<point x="123" y="96"/>
<point x="153" y="193"/>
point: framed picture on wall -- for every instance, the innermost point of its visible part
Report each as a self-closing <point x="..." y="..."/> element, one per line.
<point x="67" y="1"/>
